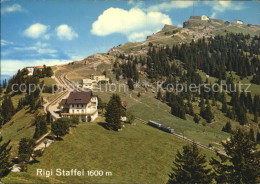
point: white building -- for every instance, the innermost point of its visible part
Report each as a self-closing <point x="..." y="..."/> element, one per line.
<point x="204" y="17"/>
<point x="239" y="21"/>
<point x="82" y="105"/>
<point x="93" y="81"/>
<point x="89" y="83"/>
<point x="30" y="70"/>
<point x="99" y="78"/>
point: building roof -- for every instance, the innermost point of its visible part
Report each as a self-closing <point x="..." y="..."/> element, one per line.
<point x="78" y="98"/>
<point x="63" y="102"/>
<point x="39" y="67"/>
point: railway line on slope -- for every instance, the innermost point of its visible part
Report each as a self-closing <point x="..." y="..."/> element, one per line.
<point x="183" y="138"/>
<point x="70" y="86"/>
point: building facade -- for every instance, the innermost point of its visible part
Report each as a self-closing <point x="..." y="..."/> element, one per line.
<point x="82" y="105"/>
<point x="204" y="17"/>
<point x="30" y="70"/>
<point x="239" y="21"/>
<point x="94" y="80"/>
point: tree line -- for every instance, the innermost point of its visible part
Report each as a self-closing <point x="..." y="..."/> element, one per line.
<point x="240" y="164"/>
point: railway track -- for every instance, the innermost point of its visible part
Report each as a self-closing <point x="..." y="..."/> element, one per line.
<point x="184" y="138"/>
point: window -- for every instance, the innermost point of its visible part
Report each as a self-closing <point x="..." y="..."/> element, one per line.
<point x="72" y="105"/>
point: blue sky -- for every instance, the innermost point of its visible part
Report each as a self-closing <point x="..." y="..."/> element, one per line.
<point x="36" y="32"/>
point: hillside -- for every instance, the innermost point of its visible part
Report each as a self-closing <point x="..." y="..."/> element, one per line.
<point x="139" y="154"/>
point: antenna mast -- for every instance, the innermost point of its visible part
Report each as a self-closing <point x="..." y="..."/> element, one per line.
<point x="193" y="8"/>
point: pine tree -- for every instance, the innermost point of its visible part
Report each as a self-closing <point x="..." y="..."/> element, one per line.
<point x="258" y="137"/>
<point x="40" y="126"/>
<point x="25" y="152"/>
<point x="208" y="115"/>
<point x="130" y="84"/>
<point x="242" y="164"/>
<point x="101" y="104"/>
<point x="8" y="109"/>
<point x="252" y="134"/>
<point x="5" y="163"/>
<point x="227" y="127"/>
<point x="113" y="113"/>
<point x="255" y="117"/>
<point x="159" y="95"/>
<point x="190" y="166"/>
<point x="202" y="107"/>
<point x="241" y="115"/>
<point x="196" y="118"/>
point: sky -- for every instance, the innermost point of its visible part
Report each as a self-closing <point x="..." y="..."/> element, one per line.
<point x="37" y="32"/>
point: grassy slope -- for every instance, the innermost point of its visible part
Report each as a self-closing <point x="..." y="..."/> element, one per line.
<point x="18" y="127"/>
<point x="21" y="124"/>
<point x="152" y="109"/>
<point x="139" y="153"/>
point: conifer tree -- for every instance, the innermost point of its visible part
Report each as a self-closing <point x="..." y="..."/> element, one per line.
<point x="241" y="115"/>
<point x="25" y="152"/>
<point x="227" y="127"/>
<point x="258" y="137"/>
<point x="190" y="166"/>
<point x="101" y="104"/>
<point x="208" y="115"/>
<point x="5" y="163"/>
<point x="202" y="107"/>
<point x="130" y="84"/>
<point x="255" y="117"/>
<point x="8" y="109"/>
<point x="40" y="126"/>
<point x="113" y="113"/>
<point x="242" y="164"/>
<point x="252" y="134"/>
<point x="159" y="95"/>
<point x="196" y="118"/>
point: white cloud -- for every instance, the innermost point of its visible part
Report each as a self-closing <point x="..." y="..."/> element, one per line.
<point x="65" y="32"/>
<point x="167" y="6"/>
<point x="135" y="23"/>
<point x="222" y="6"/>
<point x="36" y="50"/>
<point x="135" y="3"/>
<point x="10" y="67"/>
<point x="37" y="31"/>
<point x="4" y="43"/>
<point x="12" y="8"/>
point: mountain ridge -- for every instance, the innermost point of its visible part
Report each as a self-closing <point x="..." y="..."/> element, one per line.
<point x="193" y="29"/>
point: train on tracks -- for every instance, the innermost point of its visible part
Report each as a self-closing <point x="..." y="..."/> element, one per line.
<point x="161" y="127"/>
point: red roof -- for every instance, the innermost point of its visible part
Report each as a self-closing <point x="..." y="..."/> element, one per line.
<point x="39" y="67"/>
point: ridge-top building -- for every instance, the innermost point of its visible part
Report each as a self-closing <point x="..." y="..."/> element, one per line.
<point x="82" y="105"/>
